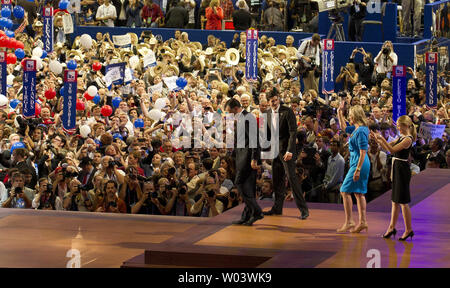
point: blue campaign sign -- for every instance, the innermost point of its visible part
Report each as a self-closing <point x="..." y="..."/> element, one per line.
<point x="29" y="88"/>
<point x="398" y="91"/>
<point x="251" y="55"/>
<point x="48" y="29"/>
<point x="70" y="101"/>
<point x="3" y="73"/>
<point x="115" y="74"/>
<point x="431" y="60"/>
<point x="328" y="66"/>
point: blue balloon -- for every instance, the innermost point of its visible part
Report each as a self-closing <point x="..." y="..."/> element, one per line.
<point x="117" y="136"/>
<point x="18" y="12"/>
<point x="72" y="65"/>
<point x="6" y="12"/>
<point x="20" y="53"/>
<point x="3" y="22"/>
<point x="61" y="91"/>
<point x="9" y="33"/>
<point x="17" y="145"/>
<point x="139" y="123"/>
<point x="96" y="99"/>
<point x="116" y="101"/>
<point x="14" y="103"/>
<point x="63" y="4"/>
<point x="181" y="82"/>
<point x="8" y="24"/>
<point x="44" y="54"/>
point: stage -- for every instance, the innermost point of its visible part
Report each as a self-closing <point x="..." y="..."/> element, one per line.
<point x="49" y="238"/>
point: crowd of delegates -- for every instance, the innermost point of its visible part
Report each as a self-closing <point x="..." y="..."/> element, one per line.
<point x="120" y="168"/>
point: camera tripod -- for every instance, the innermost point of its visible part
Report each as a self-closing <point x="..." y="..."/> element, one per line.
<point x="339" y="34"/>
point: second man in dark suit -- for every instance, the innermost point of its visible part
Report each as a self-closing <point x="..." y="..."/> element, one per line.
<point x="282" y="119"/>
<point x="247" y="155"/>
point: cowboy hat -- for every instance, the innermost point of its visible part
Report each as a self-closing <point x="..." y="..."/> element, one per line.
<point x="284" y="52"/>
<point x="134" y="38"/>
<point x="232" y="56"/>
<point x="292" y="51"/>
<point x="156" y="70"/>
<point x="278" y="67"/>
<point x="173" y="68"/>
<point x="176" y="45"/>
<point x="143" y="49"/>
<point x="153" y="41"/>
<point x="185" y="51"/>
<point x="209" y="51"/>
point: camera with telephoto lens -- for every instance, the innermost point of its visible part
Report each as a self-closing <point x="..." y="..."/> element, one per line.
<point x="210" y="193"/>
<point x="171" y="171"/>
<point x="386" y="51"/>
<point x="112" y="163"/>
<point x="154" y="195"/>
<point x="23" y="123"/>
<point x="233" y="194"/>
<point x="18" y="190"/>
<point x="49" y="189"/>
<point x="182" y="191"/>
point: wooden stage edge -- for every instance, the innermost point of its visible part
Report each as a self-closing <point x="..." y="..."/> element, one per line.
<point x="59" y="239"/>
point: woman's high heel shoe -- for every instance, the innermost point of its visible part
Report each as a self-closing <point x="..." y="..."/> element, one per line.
<point x="388" y="235"/>
<point x="346" y="228"/>
<point x="360" y="228"/>
<point x="410" y="234"/>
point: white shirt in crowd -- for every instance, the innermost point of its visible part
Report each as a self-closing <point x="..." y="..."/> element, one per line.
<point x="308" y="50"/>
<point x="107" y="11"/>
<point x="384" y="64"/>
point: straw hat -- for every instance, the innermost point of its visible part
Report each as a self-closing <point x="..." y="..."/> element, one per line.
<point x="172" y="68"/>
<point x="209" y="51"/>
<point x="156" y="70"/>
<point x="284" y="52"/>
<point x="75" y="53"/>
<point x="278" y="67"/>
<point x="153" y="41"/>
<point x="167" y="53"/>
<point x="134" y="38"/>
<point x="185" y="51"/>
<point x="232" y="56"/>
<point x="291" y="51"/>
<point x="124" y="53"/>
<point x="281" y="47"/>
<point x="176" y="45"/>
<point x="143" y="49"/>
<point x="197" y="45"/>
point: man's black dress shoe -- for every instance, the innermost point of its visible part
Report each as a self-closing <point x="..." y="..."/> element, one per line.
<point x="304" y="216"/>
<point x="270" y="213"/>
<point x="239" y="222"/>
<point x="253" y="219"/>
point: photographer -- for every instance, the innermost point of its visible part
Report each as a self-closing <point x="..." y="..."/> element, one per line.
<point x="130" y="191"/>
<point x="183" y="203"/>
<point x="357" y="14"/>
<point x="111" y="203"/>
<point x="309" y="56"/>
<point x="19" y="196"/>
<point x="364" y="69"/>
<point x="110" y="171"/>
<point x="45" y="199"/>
<point x="79" y="198"/>
<point x="64" y="175"/>
<point x="384" y="62"/>
<point x="206" y="203"/>
<point x="349" y="76"/>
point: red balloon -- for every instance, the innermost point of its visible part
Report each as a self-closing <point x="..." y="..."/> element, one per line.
<point x="50" y="94"/>
<point x="106" y="110"/>
<point x="12" y="43"/>
<point x="80" y="105"/>
<point x="96" y="66"/>
<point x="11" y="58"/>
<point x="37" y="110"/>
<point x="3" y="41"/>
<point x="20" y="45"/>
<point x="87" y="96"/>
<point x="8" y="43"/>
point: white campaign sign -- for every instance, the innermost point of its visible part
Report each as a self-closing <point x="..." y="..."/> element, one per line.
<point x="171" y="82"/>
<point x="121" y="40"/>
<point x="150" y="59"/>
<point x="431" y="131"/>
<point x="67" y="24"/>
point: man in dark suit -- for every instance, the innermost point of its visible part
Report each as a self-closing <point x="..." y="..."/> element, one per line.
<point x="282" y="119"/>
<point x="242" y="20"/>
<point x="177" y="17"/>
<point x="86" y="176"/>
<point x="247" y="155"/>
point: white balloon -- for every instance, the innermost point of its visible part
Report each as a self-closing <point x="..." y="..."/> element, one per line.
<point x="155" y="114"/>
<point x="160" y="103"/>
<point x="38" y="62"/>
<point x="84" y="131"/>
<point x="10" y="79"/>
<point x="55" y="67"/>
<point x="134" y="61"/>
<point x="86" y="41"/>
<point x="37" y="52"/>
<point x="92" y="90"/>
<point x="3" y="100"/>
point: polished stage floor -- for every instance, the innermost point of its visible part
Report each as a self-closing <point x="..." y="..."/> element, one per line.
<point x="46" y="238"/>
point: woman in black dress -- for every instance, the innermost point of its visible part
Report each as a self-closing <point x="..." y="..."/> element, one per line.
<point x="400" y="174"/>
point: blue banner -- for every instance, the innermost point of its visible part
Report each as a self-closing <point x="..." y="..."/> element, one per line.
<point x="431" y="60"/>
<point x="328" y="66"/>
<point x="48" y="39"/>
<point x="115" y="74"/>
<point x="251" y="55"/>
<point x="3" y="73"/>
<point x="70" y="101"/>
<point x="398" y="91"/>
<point x="29" y="88"/>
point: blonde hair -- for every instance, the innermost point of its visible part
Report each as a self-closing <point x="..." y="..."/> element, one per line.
<point x="214" y="3"/>
<point x="357" y="112"/>
<point x="405" y="120"/>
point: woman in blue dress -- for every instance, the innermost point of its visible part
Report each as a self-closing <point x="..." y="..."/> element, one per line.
<point x="358" y="175"/>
